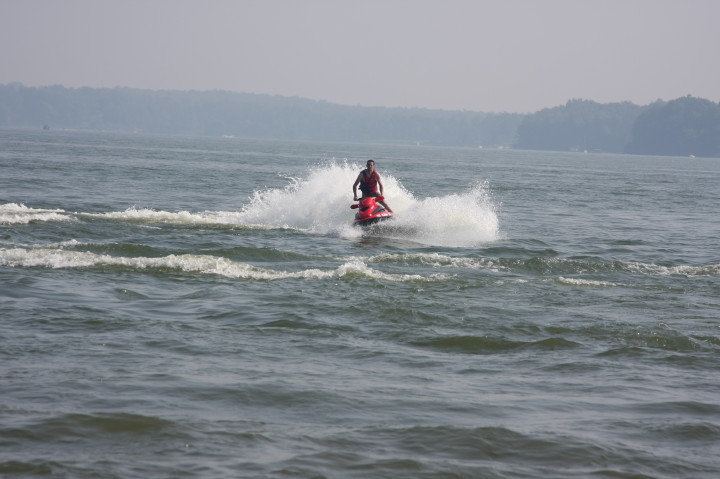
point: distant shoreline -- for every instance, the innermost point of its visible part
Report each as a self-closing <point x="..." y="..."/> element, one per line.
<point x="686" y="126"/>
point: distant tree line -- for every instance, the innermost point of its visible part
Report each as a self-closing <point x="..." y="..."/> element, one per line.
<point x="680" y="127"/>
<point x="685" y="126"/>
<point x="579" y="125"/>
<point x="217" y="113"/>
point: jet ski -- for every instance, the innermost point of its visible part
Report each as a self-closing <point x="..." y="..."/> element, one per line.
<point x="370" y="211"/>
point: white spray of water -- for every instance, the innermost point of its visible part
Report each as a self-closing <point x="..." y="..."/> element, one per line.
<point x="320" y="203"/>
<point x="462" y="219"/>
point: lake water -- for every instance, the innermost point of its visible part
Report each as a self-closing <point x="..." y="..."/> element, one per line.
<point x="200" y="308"/>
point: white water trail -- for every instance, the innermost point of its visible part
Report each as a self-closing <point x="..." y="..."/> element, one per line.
<point x="319" y="203"/>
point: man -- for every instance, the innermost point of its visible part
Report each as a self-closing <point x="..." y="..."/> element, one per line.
<point x="370" y="184"/>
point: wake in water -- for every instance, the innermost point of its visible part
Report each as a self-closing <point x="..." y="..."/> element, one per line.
<point x="72" y="254"/>
<point x="320" y="204"/>
<point x="59" y="257"/>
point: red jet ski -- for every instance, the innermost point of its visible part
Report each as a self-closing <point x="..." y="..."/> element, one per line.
<point x="370" y="211"/>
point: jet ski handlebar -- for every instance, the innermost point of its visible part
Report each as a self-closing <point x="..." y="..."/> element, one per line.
<point x="357" y="205"/>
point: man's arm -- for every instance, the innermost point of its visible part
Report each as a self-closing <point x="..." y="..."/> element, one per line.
<point x="357" y="182"/>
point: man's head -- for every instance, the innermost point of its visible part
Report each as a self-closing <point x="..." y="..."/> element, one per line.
<point x="370" y="164"/>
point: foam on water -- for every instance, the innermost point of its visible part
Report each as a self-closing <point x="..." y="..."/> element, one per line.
<point x="12" y="213"/>
<point x="146" y="215"/>
<point x="585" y="282"/>
<point x="57" y="256"/>
<point x="685" y="270"/>
<point x="191" y="263"/>
<point x="547" y="266"/>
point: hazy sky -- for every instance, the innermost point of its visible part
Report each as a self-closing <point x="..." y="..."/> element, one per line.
<point x="484" y="55"/>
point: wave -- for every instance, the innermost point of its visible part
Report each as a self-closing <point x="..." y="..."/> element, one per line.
<point x="569" y="266"/>
<point x="192" y="263"/>
<point x="683" y="270"/>
<point x="223" y="262"/>
<point x="436" y="260"/>
<point x="75" y="424"/>
<point x="13" y="214"/>
<point x="585" y="282"/>
<point x="546" y="266"/>
<point x="490" y="452"/>
<point x="491" y="345"/>
<point x="203" y="219"/>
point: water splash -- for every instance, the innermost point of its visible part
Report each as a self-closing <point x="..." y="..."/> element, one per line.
<point x="319" y="203"/>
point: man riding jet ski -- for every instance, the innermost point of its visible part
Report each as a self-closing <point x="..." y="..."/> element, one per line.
<point x="372" y="205"/>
